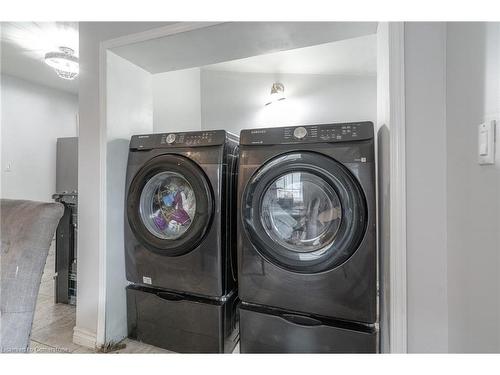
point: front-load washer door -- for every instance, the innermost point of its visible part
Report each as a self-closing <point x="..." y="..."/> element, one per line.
<point x="304" y="212"/>
<point x="169" y="205"/>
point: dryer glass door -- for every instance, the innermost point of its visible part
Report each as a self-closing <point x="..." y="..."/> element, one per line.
<point x="304" y="212"/>
<point x="170" y="205"/>
<point x="301" y="212"/>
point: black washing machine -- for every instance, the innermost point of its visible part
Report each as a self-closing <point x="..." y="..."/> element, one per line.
<point x="307" y="238"/>
<point x="180" y="238"/>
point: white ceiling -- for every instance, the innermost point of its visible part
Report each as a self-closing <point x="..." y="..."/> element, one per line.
<point x="356" y="56"/>
<point x="353" y="52"/>
<point x="241" y="40"/>
<point x="23" y="47"/>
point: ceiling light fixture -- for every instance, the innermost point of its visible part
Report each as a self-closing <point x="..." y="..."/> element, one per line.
<point x="64" y="62"/>
<point x="277" y="93"/>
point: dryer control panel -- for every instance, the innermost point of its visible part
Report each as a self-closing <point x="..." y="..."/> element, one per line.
<point x="182" y="139"/>
<point x="342" y="132"/>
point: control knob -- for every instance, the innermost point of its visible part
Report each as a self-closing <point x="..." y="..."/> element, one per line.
<point x="300" y="132"/>
<point x="170" y="138"/>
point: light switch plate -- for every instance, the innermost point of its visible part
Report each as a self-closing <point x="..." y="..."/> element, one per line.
<point x="486" y="143"/>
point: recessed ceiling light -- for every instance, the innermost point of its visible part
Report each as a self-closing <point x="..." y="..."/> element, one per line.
<point x="64" y="62"/>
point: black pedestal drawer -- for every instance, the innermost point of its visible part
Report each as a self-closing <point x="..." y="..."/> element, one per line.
<point x="182" y="323"/>
<point x="265" y="330"/>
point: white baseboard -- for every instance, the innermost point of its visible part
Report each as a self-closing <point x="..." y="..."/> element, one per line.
<point x="84" y="338"/>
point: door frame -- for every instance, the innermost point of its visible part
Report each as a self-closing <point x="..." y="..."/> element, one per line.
<point x="397" y="261"/>
<point x="397" y="272"/>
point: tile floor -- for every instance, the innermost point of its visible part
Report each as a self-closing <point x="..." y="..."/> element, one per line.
<point x="53" y="323"/>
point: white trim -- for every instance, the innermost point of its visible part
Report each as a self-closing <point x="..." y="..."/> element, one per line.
<point x="397" y="262"/>
<point x="101" y="301"/>
<point x="156" y="33"/>
<point x="84" y="338"/>
<point x="104" y="46"/>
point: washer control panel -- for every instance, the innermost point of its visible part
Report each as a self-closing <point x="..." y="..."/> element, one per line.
<point x="342" y="132"/>
<point x="184" y="139"/>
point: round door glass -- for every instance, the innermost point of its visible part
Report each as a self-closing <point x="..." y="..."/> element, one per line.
<point x="301" y="212"/>
<point x="167" y="205"/>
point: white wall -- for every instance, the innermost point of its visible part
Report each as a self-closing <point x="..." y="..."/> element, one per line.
<point x="473" y="199"/>
<point x="90" y="178"/>
<point x="32" y="118"/>
<point x="192" y="100"/>
<point x="235" y="101"/>
<point x="452" y="85"/>
<point x="129" y="111"/>
<point x="177" y="101"/>
<point x="426" y="167"/>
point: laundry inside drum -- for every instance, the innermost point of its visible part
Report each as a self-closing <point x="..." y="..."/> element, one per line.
<point x="167" y="205"/>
